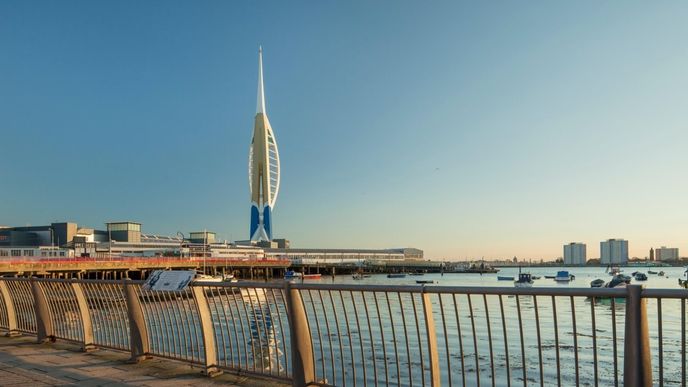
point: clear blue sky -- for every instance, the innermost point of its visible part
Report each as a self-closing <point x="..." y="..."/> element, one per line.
<point x="464" y="128"/>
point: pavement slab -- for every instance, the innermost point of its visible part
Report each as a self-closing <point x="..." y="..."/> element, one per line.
<point x="25" y="363"/>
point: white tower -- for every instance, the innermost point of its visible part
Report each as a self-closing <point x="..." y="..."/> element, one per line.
<point x="263" y="167"/>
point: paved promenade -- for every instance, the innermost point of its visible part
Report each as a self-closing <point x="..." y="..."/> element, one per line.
<point x="25" y="363"/>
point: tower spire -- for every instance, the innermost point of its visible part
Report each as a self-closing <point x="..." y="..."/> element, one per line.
<point x="260" y="106"/>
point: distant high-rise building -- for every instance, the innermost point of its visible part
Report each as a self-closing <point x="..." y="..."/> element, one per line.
<point x="614" y="251"/>
<point x="666" y="254"/>
<point x="575" y="254"/>
<point x="263" y="168"/>
<point x="652" y="254"/>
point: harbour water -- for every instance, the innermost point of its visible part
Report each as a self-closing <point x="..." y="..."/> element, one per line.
<point x="488" y="339"/>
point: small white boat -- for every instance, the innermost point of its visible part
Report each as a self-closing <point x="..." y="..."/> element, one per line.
<point x="291" y="274"/>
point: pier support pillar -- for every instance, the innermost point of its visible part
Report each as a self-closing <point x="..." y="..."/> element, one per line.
<point x="12" y="330"/>
<point x="44" y="322"/>
<point x="138" y="331"/>
<point x="303" y="373"/>
<point x="207" y="332"/>
<point x="637" y="363"/>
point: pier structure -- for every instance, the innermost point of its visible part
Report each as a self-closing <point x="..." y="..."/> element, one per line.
<point x="304" y="334"/>
<point x="139" y="267"/>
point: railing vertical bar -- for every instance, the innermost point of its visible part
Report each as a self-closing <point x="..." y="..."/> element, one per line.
<point x="382" y="337"/>
<point x="406" y="339"/>
<point x="274" y="330"/>
<point x="245" y="294"/>
<point x="594" y="339"/>
<point x="329" y="333"/>
<point x="556" y="339"/>
<point x="370" y="334"/>
<point x="683" y="342"/>
<point x="523" y="350"/>
<point x="458" y="328"/>
<point x="339" y="336"/>
<point x="154" y="304"/>
<point x="394" y="339"/>
<point x="273" y="324"/>
<point x="506" y="342"/>
<point x="360" y="339"/>
<point x="254" y="334"/>
<point x="265" y="328"/>
<point x="221" y="313"/>
<point x="446" y="340"/>
<point x="101" y="297"/>
<point x="661" y="342"/>
<point x="575" y="339"/>
<point x="420" y="344"/>
<point x="317" y="327"/>
<point x="243" y="331"/>
<point x="283" y="335"/>
<point x="348" y="334"/>
<point x="616" y="357"/>
<point x="475" y="339"/>
<point x="117" y="295"/>
<point x="489" y="338"/>
<point x="180" y="349"/>
<point x="539" y="340"/>
<point x="255" y="309"/>
<point x="178" y="312"/>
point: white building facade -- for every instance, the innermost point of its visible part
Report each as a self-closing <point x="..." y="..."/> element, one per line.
<point x="575" y="254"/>
<point x="666" y="254"/>
<point x="614" y="252"/>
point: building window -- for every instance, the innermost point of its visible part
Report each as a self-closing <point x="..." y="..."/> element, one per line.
<point x="28" y="253"/>
<point x="43" y="254"/>
<point x="16" y="253"/>
<point x="3" y="253"/>
<point x="62" y="254"/>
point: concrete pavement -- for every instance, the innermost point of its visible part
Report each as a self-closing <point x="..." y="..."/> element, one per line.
<point x="25" y="363"/>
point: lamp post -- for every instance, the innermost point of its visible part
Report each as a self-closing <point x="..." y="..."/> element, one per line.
<point x="181" y="244"/>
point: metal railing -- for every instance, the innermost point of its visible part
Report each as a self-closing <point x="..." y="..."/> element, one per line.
<point x="355" y="335"/>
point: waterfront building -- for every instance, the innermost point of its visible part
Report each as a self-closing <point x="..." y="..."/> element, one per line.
<point x="575" y="254"/>
<point x="35" y="252"/>
<point x="652" y="254"/>
<point x="263" y="167"/>
<point x="342" y="256"/>
<point x="666" y="254"/>
<point x="614" y="252"/>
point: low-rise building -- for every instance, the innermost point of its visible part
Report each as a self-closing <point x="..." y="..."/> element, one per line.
<point x="666" y="254"/>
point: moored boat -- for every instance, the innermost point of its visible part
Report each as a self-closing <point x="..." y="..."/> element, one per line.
<point x="524" y="280"/>
<point x="504" y="278"/>
<point x="563" y="276"/>
<point x="425" y="281"/>
<point x="640" y="276"/>
<point x="396" y="275"/>
<point x="291" y="274"/>
<point x="312" y="276"/>
<point x="598" y="283"/>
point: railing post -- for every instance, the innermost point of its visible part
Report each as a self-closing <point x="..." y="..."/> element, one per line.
<point x="44" y="322"/>
<point x="138" y="331"/>
<point x="432" y="340"/>
<point x="12" y="330"/>
<point x="86" y="323"/>
<point x="207" y="330"/>
<point x="637" y="365"/>
<point x="303" y="372"/>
